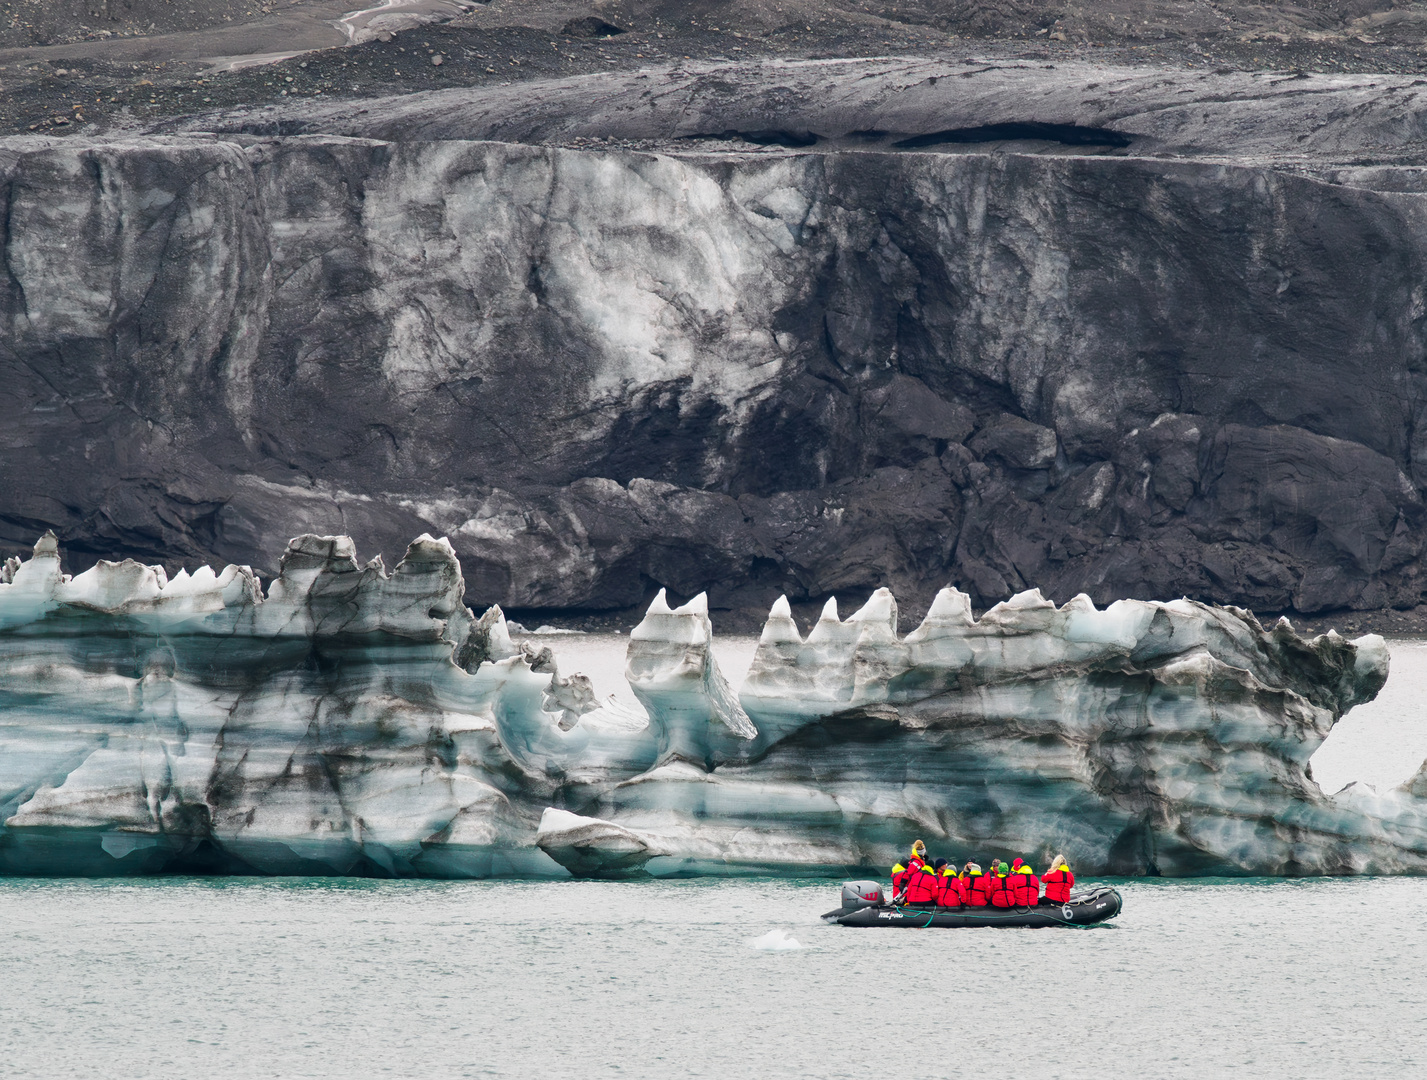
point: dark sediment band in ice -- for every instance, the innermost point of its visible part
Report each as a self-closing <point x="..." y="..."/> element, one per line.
<point x="359" y="720"/>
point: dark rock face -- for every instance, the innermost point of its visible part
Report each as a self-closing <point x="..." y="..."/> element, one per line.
<point x="1143" y="371"/>
<point x="591" y="26"/>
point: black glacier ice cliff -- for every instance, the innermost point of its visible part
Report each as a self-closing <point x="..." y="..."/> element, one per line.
<point x="798" y="327"/>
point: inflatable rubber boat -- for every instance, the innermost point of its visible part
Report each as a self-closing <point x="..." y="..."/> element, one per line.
<point x="863" y="904"/>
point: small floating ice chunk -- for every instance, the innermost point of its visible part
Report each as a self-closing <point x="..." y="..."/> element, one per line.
<point x="592" y="847"/>
<point x="776" y="941"/>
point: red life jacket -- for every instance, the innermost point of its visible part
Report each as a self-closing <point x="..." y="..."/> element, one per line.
<point x="1033" y="885"/>
<point x="1001" y="894"/>
<point x="1058" y="884"/>
<point x="978" y="890"/>
<point x="953" y="890"/>
<point x="1024" y="886"/>
<point x="902" y="874"/>
<point x="922" y="886"/>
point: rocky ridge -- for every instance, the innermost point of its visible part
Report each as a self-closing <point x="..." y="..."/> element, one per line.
<point x="786" y="327"/>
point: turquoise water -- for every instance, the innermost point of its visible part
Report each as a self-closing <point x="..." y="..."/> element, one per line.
<point x="245" y="978"/>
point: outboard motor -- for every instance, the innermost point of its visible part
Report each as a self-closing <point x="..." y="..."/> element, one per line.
<point x="861" y="894"/>
<point x="857" y="895"/>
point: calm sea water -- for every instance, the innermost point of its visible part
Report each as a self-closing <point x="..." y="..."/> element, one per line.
<point x="302" y="978"/>
<point x="220" y="978"/>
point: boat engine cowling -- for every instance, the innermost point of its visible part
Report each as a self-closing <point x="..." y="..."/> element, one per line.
<point x="861" y="894"/>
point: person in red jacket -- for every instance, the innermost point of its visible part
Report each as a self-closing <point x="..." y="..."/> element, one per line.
<point x="949" y="892"/>
<point x="1058" y="881"/>
<point x="1023" y="884"/>
<point x="976" y="886"/>
<point x="938" y="882"/>
<point x="1032" y="886"/>
<point x="1001" y="894"/>
<point x="922" y="886"/>
<point x="902" y="872"/>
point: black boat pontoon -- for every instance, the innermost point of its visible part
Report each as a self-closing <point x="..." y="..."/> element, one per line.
<point x="864" y="905"/>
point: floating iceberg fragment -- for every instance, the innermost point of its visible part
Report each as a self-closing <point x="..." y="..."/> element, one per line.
<point x="776" y="941"/>
<point x="589" y="847"/>
<point x="355" y="720"/>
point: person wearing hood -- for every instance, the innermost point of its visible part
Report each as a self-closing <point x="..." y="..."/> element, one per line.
<point x="903" y="872"/>
<point x="1058" y="881"/>
<point x="923" y="885"/>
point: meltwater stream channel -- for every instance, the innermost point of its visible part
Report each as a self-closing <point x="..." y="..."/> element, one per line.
<point x="243" y="977"/>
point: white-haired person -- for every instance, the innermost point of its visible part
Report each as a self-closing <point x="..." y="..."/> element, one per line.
<point x="1058" y="881"/>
